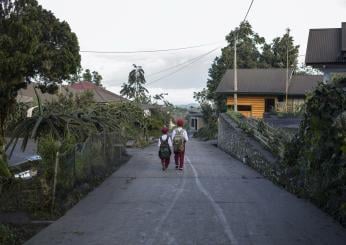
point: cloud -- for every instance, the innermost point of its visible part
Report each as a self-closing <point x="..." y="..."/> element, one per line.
<point x="115" y="68"/>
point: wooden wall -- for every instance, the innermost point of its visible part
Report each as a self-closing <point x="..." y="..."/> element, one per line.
<point x="256" y="102"/>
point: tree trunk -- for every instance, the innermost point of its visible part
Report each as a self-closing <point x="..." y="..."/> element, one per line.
<point x="4" y="171"/>
<point x="8" y="93"/>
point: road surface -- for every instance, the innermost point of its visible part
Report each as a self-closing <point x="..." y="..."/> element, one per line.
<point x="216" y="200"/>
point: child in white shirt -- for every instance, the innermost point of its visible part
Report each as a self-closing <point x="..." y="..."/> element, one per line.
<point x="165" y="145"/>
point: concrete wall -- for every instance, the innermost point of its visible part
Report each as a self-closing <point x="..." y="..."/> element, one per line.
<point x="235" y="142"/>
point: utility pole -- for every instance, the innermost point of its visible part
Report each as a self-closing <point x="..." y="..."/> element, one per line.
<point x="286" y="100"/>
<point x="235" y="95"/>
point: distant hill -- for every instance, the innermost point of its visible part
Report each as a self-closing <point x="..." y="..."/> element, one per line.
<point x="187" y="106"/>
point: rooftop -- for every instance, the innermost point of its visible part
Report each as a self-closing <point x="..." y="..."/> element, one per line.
<point x="327" y="47"/>
<point x="267" y="81"/>
<point x="101" y="95"/>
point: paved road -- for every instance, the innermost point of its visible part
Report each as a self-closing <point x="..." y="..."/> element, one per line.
<point x="216" y="200"/>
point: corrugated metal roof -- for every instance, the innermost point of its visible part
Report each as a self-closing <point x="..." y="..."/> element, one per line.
<point x="301" y="84"/>
<point x="326" y="46"/>
<point x="101" y="95"/>
<point x="267" y="81"/>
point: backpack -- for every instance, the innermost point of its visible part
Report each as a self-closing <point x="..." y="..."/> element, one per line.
<point x="179" y="141"/>
<point x="164" y="151"/>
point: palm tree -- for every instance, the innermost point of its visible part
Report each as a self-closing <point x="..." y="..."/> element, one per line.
<point x="134" y="88"/>
<point x="61" y="124"/>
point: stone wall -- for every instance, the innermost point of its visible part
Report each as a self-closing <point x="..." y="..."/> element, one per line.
<point x="243" y="147"/>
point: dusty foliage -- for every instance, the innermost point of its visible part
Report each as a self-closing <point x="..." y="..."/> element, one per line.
<point x="312" y="163"/>
<point x="87" y="136"/>
<point x="18" y="234"/>
<point x="273" y="139"/>
<point x="316" y="157"/>
<point x="209" y="131"/>
<point x="7" y="236"/>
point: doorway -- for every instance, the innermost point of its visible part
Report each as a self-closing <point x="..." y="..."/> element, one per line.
<point x="269" y="105"/>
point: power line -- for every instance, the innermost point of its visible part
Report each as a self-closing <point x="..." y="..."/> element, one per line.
<point x="248" y="10"/>
<point x="147" y="51"/>
<point x="185" y="66"/>
<point x="171" y="67"/>
<point x="175" y="66"/>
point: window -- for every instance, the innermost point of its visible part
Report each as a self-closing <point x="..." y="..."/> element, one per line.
<point x="244" y="107"/>
<point x="269" y="105"/>
<point x="240" y="107"/>
<point x="280" y="98"/>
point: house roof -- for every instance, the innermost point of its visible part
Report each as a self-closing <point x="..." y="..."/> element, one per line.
<point x="27" y="95"/>
<point x="195" y="114"/>
<point x="101" y="95"/>
<point x="326" y="47"/>
<point x="267" y="81"/>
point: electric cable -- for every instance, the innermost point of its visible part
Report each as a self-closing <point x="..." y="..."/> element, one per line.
<point x="148" y="51"/>
<point x="185" y="66"/>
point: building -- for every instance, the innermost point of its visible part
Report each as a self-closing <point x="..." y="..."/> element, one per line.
<point x="195" y="120"/>
<point x="326" y="50"/>
<point x="100" y="94"/>
<point x="262" y="91"/>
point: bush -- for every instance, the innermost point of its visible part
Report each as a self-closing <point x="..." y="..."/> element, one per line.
<point x="319" y="149"/>
<point x="6" y="235"/>
<point x="209" y="131"/>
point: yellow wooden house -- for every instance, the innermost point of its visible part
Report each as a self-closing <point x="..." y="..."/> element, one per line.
<point x="263" y="91"/>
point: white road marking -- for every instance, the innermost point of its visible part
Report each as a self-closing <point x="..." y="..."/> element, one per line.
<point x="216" y="207"/>
<point x="166" y="214"/>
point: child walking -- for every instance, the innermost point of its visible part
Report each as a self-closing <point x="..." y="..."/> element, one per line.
<point x="180" y="138"/>
<point x="165" y="145"/>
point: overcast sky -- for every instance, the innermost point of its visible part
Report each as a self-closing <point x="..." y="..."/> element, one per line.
<point x="124" y="25"/>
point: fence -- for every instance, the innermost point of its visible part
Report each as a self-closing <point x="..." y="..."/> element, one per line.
<point x="86" y="163"/>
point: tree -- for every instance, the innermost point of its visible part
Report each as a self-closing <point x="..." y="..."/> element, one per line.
<point x="134" y="88"/>
<point x="275" y="54"/>
<point x="252" y="52"/>
<point x="248" y="56"/>
<point x="75" y="78"/>
<point x="307" y="70"/>
<point x="87" y="75"/>
<point x="34" y="45"/>
<point x="93" y="77"/>
<point x="96" y="78"/>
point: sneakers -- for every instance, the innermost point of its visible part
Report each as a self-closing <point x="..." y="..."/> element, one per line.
<point x="181" y="169"/>
<point x="176" y="167"/>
